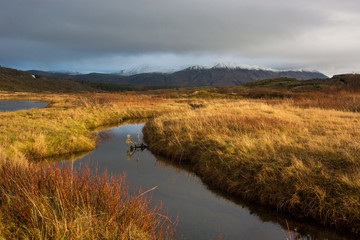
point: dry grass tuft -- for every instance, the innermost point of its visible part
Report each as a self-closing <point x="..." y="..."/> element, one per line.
<point x="59" y="203"/>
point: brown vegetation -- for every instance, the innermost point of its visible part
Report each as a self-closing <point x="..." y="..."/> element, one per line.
<point x="61" y="203"/>
<point x="44" y="202"/>
<point x="300" y="160"/>
<point x="341" y="100"/>
<point x="351" y="81"/>
<point x="298" y="153"/>
<point x="68" y="124"/>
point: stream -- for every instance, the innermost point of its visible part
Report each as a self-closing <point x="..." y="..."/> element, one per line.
<point x="202" y="213"/>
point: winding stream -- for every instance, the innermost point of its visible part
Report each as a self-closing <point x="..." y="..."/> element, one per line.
<point x="203" y="214"/>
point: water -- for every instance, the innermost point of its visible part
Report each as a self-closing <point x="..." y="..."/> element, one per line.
<point x="203" y="214"/>
<point x="15" y="105"/>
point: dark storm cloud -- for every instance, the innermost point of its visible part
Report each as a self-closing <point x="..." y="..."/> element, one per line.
<point x="137" y="26"/>
<point x="285" y="31"/>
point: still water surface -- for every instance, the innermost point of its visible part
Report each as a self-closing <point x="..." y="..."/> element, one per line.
<point x="15" y="105"/>
<point x="203" y="214"/>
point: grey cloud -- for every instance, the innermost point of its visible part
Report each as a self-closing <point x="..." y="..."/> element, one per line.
<point x="153" y="25"/>
<point x="79" y="29"/>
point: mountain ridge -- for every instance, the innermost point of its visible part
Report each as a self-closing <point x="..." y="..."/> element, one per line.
<point x="193" y="76"/>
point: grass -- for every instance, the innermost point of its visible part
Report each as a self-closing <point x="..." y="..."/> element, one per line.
<point x="298" y="154"/>
<point x="288" y="235"/>
<point x="41" y="202"/>
<point x="68" y="125"/>
<point x="299" y="160"/>
<point x="341" y="100"/>
<point x="341" y="92"/>
<point x="61" y="203"/>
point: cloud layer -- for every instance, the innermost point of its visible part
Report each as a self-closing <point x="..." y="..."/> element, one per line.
<point x="110" y="35"/>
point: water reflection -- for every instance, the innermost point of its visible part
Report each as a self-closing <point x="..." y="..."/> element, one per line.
<point x="130" y="153"/>
<point x="202" y="212"/>
<point x="304" y="229"/>
<point x="68" y="157"/>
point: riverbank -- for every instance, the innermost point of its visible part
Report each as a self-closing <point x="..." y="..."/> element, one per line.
<point x="299" y="160"/>
<point x="65" y="203"/>
<point x="40" y="202"/>
<point x="303" y="160"/>
<point x="68" y="124"/>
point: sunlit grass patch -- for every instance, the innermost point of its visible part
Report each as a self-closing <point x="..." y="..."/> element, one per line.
<point x="68" y="124"/>
<point x="304" y="161"/>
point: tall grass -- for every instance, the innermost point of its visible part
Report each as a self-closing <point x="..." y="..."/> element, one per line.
<point x="305" y="161"/>
<point x="61" y="203"/>
<point x="341" y="100"/>
<point x="38" y="202"/>
<point x="292" y="155"/>
<point x="68" y="124"/>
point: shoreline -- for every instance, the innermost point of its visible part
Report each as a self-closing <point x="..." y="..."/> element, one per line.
<point x="274" y="181"/>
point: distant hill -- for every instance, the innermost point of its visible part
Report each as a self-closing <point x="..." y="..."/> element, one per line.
<point x="38" y="81"/>
<point x="219" y="75"/>
<point x="21" y="81"/>
<point x="351" y="81"/>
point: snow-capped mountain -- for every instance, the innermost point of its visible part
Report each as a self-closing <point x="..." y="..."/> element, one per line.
<point x="220" y="74"/>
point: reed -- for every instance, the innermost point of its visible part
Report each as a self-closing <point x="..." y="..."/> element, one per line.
<point x="62" y="203"/>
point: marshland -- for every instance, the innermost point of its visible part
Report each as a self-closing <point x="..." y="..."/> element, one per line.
<point x="295" y="155"/>
<point x="186" y="119"/>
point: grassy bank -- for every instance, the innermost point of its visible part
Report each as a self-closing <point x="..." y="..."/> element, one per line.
<point x="38" y="202"/>
<point x="68" y="124"/>
<point x="300" y="160"/>
<point x="300" y="155"/>
<point x="59" y="203"/>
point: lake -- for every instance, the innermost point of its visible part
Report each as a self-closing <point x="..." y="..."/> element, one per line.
<point x="16" y="105"/>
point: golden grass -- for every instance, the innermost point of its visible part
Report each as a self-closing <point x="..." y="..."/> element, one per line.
<point x="68" y="124"/>
<point x="38" y="202"/>
<point x="340" y="100"/>
<point x="61" y="203"/>
<point x="293" y="155"/>
<point x="303" y="161"/>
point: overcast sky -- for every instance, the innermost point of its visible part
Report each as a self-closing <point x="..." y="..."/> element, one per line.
<point x="112" y="35"/>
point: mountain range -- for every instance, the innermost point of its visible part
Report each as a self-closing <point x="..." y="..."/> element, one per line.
<point x="21" y="81"/>
<point x="195" y="76"/>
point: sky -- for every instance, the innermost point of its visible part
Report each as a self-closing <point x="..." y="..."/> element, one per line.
<point x="167" y="35"/>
